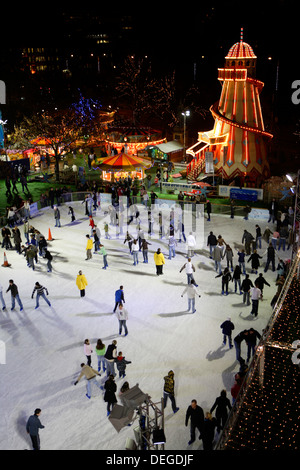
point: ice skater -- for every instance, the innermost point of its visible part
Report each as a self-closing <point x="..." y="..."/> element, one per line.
<point x="159" y="261"/>
<point x="195" y="412"/>
<point x="189" y="270"/>
<point x="57" y="216"/>
<point x="122" y="315"/>
<point x="90" y="375"/>
<point x="81" y="283"/>
<point x="226" y="277"/>
<point x="40" y="292"/>
<point x="222" y="405"/>
<point x="191" y="291"/>
<point x="110" y="356"/>
<point x="71" y="212"/>
<point x="227" y="329"/>
<point x="103" y="252"/>
<point x="89" y="247"/>
<point x="119" y="297"/>
<point x="121" y="363"/>
<point x="169" y="391"/>
<point x="87" y="349"/>
<point x="100" y="351"/>
<point x="14" y="295"/>
<point x="32" y="427"/>
<point x="110" y="393"/>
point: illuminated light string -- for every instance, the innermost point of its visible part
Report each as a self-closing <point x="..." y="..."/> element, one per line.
<point x="268" y="416"/>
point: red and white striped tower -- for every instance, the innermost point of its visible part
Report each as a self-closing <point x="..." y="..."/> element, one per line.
<point x="238" y="140"/>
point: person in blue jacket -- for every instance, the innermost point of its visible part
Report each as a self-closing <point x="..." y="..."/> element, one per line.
<point x="32" y="427"/>
<point x="119" y="297"/>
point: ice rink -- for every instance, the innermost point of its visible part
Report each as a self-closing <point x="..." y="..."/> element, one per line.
<point x="44" y="347"/>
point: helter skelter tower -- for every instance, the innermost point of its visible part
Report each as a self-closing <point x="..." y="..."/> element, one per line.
<point x="238" y="140"/>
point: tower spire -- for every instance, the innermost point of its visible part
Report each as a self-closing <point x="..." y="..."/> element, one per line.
<point x="242" y="35"/>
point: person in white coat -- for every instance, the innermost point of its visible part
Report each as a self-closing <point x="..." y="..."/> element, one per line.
<point x="191" y="291"/>
<point x="191" y="244"/>
<point x="122" y="315"/>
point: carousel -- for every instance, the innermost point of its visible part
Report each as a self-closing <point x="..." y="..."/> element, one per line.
<point x="121" y="166"/>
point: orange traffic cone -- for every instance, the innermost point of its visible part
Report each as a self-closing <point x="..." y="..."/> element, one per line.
<point x="49" y="236"/>
<point x="6" y="264"/>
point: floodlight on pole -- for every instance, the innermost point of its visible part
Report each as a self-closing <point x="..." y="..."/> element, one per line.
<point x="185" y="114"/>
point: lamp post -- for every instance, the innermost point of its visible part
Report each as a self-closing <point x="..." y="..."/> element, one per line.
<point x="185" y="115"/>
<point x="296" y="221"/>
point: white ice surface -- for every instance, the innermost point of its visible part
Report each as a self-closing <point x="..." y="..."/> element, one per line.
<point x="44" y="347"/>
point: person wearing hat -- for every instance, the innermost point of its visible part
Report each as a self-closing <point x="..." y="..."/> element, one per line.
<point x="169" y="390"/>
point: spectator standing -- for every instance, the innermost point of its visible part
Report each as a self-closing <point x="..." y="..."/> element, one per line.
<point x="196" y="415"/>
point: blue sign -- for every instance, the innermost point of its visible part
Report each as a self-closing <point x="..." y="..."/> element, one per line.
<point x="243" y="194"/>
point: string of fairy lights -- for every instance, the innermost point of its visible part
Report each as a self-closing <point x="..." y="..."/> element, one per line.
<point x="266" y="415"/>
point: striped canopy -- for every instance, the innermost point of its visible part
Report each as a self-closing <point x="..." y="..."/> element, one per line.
<point x="123" y="162"/>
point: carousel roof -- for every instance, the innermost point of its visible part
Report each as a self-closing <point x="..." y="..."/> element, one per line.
<point x="123" y="162"/>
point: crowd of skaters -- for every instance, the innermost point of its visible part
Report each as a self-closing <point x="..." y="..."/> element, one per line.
<point x="219" y="250"/>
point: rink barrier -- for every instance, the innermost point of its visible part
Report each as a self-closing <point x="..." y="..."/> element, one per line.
<point x="65" y="198"/>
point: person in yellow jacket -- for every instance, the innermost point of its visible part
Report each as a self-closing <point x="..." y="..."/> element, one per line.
<point x="81" y="283"/>
<point x="159" y="261"/>
<point x="89" y="247"/>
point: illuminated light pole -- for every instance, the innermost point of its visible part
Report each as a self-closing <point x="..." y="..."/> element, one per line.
<point x="185" y="115"/>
